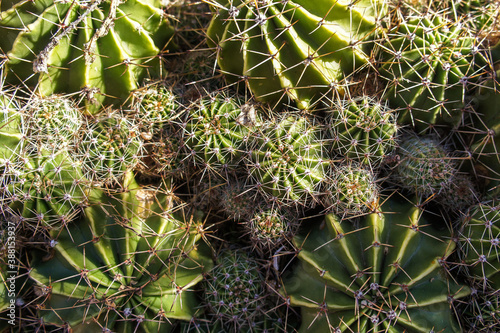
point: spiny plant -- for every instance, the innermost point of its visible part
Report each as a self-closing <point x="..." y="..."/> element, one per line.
<point x="110" y="146"/>
<point x="99" y="49"/>
<point x="292" y="50"/>
<point x="479" y="243"/>
<point x="287" y="160"/>
<point x="13" y="128"/>
<point x="424" y="167"/>
<point x="216" y="130"/>
<point x="430" y="64"/>
<point x="385" y="275"/>
<point x="461" y="193"/>
<point x="362" y="129"/>
<point x="129" y="264"/>
<point x="351" y="190"/>
<point x="52" y="121"/>
<point x="237" y="200"/>
<point x="44" y="187"/>
<point x="482" y="311"/>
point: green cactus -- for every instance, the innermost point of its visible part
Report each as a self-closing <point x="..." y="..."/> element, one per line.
<point x="424" y="167"/>
<point x="45" y="187"/>
<point x="430" y="64"/>
<point x="237" y="201"/>
<point x="351" y="190"/>
<point x="52" y="121"/>
<point x="362" y="129"/>
<point x="479" y="244"/>
<point x="482" y="312"/>
<point x="13" y="128"/>
<point x="100" y="49"/>
<point x="287" y="160"/>
<point x="386" y="276"/>
<point x="216" y="131"/>
<point x="292" y="50"/>
<point x="129" y="264"/>
<point x="110" y="146"/>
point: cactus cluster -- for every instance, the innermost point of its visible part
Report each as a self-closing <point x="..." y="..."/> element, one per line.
<point x="258" y="166"/>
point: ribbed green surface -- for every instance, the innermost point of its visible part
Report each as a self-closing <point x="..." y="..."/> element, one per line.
<point x="295" y="50"/>
<point x="104" y="50"/>
<point x="385" y="276"/>
<point x="429" y="65"/>
<point x="130" y="264"/>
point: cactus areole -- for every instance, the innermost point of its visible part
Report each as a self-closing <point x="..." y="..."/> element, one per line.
<point x="292" y="50"/>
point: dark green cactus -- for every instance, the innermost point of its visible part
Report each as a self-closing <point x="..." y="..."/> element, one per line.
<point x="129" y="264"/>
<point x="482" y="312"/>
<point x="430" y="64"/>
<point x="292" y="50"/>
<point x="385" y="276"/>
<point x="100" y="49"/>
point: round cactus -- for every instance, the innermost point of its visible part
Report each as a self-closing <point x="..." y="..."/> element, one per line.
<point x="362" y="129"/>
<point x="129" y="264"/>
<point x="351" y="190"/>
<point x="424" y="167"/>
<point x="296" y="50"/>
<point x="45" y="187"/>
<point x="52" y="121"/>
<point x="101" y="49"/>
<point x="234" y="291"/>
<point x="13" y="128"/>
<point x="479" y="244"/>
<point x="385" y="276"/>
<point x="482" y="312"/>
<point x="237" y="201"/>
<point x="430" y="64"/>
<point x="109" y="147"/>
<point x="215" y="132"/>
<point x="287" y="160"/>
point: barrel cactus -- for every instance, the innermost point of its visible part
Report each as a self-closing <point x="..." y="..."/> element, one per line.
<point x="287" y="160"/>
<point x="387" y="275"/>
<point x="292" y="50"/>
<point x="129" y="264"/>
<point x="429" y="65"/>
<point x="101" y="49"/>
<point x="479" y="244"/>
<point x="362" y="129"/>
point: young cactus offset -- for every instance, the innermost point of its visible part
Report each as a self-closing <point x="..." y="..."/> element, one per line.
<point x="430" y="64"/>
<point x="129" y="264"/>
<point x="216" y="130"/>
<point x="100" y="49"/>
<point x="362" y="129"/>
<point x="287" y="160"/>
<point x="386" y="276"/>
<point x="424" y="167"/>
<point x="292" y="50"/>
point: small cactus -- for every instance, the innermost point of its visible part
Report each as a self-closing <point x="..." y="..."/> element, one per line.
<point x="287" y="160"/>
<point x="424" y="167"/>
<point x="362" y="129"/>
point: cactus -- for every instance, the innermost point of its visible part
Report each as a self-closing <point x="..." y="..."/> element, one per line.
<point x="52" y="121"/>
<point x="45" y="187"/>
<point x="424" y="167"/>
<point x="482" y="312"/>
<point x="237" y="201"/>
<point x="109" y="147"/>
<point x="351" y="190"/>
<point x="13" y="129"/>
<point x="362" y="129"/>
<point x="430" y="64"/>
<point x="385" y="276"/>
<point x="216" y="131"/>
<point x="287" y="160"/>
<point x="479" y="244"/>
<point x="129" y="264"/>
<point x="100" y="49"/>
<point x="292" y="50"/>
